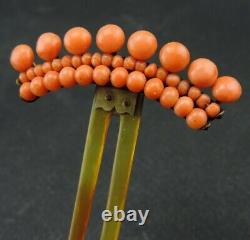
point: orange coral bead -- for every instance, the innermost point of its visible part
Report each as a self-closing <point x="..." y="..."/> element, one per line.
<point x="140" y="66"/>
<point x="84" y="75"/>
<point x="169" y="97"/>
<point x="202" y="73"/>
<point x="194" y="92"/>
<point x="37" y="87"/>
<point x="25" y="92"/>
<point x="197" y="118"/>
<point x="76" y="61"/>
<point x="183" y="87"/>
<point x="46" y="67"/>
<point x="227" y="89"/>
<point x="96" y="59"/>
<point x="183" y="106"/>
<point x="129" y="63"/>
<point x="57" y="65"/>
<point x="161" y="74"/>
<point x="48" y="46"/>
<point x="172" y="80"/>
<point x="174" y="56"/>
<point x="136" y="81"/>
<point x="67" y="77"/>
<point x="22" y="57"/>
<point x="77" y="40"/>
<point x="86" y="59"/>
<point x="107" y="59"/>
<point x="117" y="61"/>
<point x="51" y="81"/>
<point x="142" y="45"/>
<point x="212" y="110"/>
<point x="203" y="100"/>
<point x="101" y="75"/>
<point x="38" y="70"/>
<point x="153" y="88"/>
<point x="30" y="73"/>
<point x="119" y="77"/>
<point x="110" y="38"/>
<point x="66" y="61"/>
<point x="23" y="77"/>
<point x="151" y="70"/>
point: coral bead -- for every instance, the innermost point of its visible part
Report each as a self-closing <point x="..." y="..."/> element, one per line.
<point x="67" y="77"/>
<point x="172" y="80"/>
<point x="183" y="87"/>
<point x="37" y="87"/>
<point x="203" y="100"/>
<point x="119" y="77"/>
<point x="30" y="73"/>
<point x="38" y="70"/>
<point x="161" y="74"/>
<point x="197" y="118"/>
<point x="51" y="81"/>
<point x="57" y="65"/>
<point x="169" y="97"/>
<point x="101" y="75"/>
<point x="153" y="88"/>
<point x="110" y="38"/>
<point x="76" y="61"/>
<point x="23" y="77"/>
<point x="84" y="75"/>
<point x="48" y="46"/>
<point x="212" y="110"/>
<point x="77" y="40"/>
<point x="25" y="92"/>
<point x="22" y="57"/>
<point x="107" y="59"/>
<point x="47" y="66"/>
<point x="227" y="89"/>
<point x="183" y="106"/>
<point x="194" y="92"/>
<point x="151" y="70"/>
<point x="96" y="59"/>
<point x="202" y="73"/>
<point x="129" y="63"/>
<point x="142" y="45"/>
<point x="66" y="61"/>
<point x="174" y="56"/>
<point x="140" y="66"/>
<point x="117" y="61"/>
<point x="86" y="59"/>
<point x="136" y="81"/>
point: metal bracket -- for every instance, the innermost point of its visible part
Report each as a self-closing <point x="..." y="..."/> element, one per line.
<point x="117" y="100"/>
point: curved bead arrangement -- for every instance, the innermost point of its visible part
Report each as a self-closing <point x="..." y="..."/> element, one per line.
<point x="162" y="83"/>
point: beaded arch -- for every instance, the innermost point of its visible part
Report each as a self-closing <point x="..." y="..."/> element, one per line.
<point x="134" y="72"/>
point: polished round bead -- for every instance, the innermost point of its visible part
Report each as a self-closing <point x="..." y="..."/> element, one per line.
<point x="174" y="57"/>
<point x="86" y="58"/>
<point x="22" y="57"/>
<point x="48" y="46"/>
<point x="183" y="106"/>
<point x="169" y="97"/>
<point x="30" y="73"/>
<point x="153" y="88"/>
<point x="107" y="59"/>
<point x="57" y="65"/>
<point x="203" y="101"/>
<point x="37" y="87"/>
<point x="47" y="66"/>
<point x="212" y="110"/>
<point x="202" y="73"/>
<point x="119" y="77"/>
<point x="23" y="77"/>
<point x="142" y="45"/>
<point x="76" y="61"/>
<point x="151" y="70"/>
<point x="66" y="61"/>
<point x="51" y="81"/>
<point x="136" y="81"/>
<point x="25" y="92"/>
<point x="77" y="40"/>
<point x="84" y="75"/>
<point x="96" y="59"/>
<point x="172" y="80"/>
<point x="101" y="75"/>
<point x="197" y="118"/>
<point x="183" y="87"/>
<point x="117" y="61"/>
<point x="129" y="63"/>
<point x="110" y="38"/>
<point x="194" y="92"/>
<point x="67" y="77"/>
<point x="161" y="74"/>
<point x="140" y="66"/>
<point x="227" y="89"/>
<point x="38" y="70"/>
